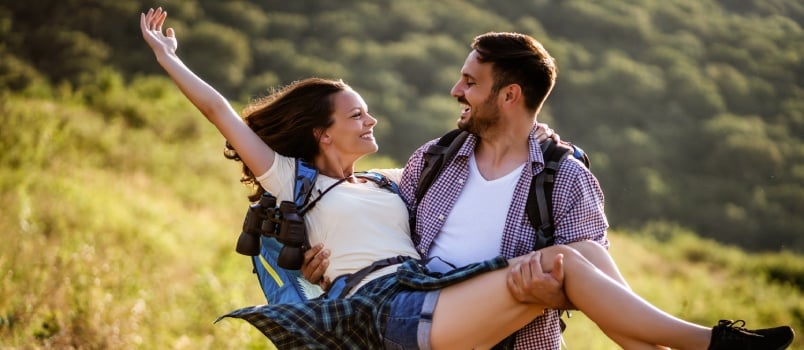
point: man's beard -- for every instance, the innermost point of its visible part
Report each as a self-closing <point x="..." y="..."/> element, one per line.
<point x="482" y="119"/>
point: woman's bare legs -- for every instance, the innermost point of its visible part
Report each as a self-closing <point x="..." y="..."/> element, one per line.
<point x="480" y="312"/>
<point x="601" y="258"/>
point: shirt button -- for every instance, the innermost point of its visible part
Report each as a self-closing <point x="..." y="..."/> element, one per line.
<point x="441" y="217"/>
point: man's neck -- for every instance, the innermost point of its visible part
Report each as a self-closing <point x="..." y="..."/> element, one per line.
<point x="501" y="150"/>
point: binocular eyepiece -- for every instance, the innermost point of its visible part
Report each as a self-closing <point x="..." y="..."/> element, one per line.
<point x="283" y="223"/>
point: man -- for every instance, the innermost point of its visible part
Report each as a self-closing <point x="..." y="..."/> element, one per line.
<point x="475" y="210"/>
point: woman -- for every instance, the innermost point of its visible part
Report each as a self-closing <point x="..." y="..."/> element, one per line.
<point x="328" y="124"/>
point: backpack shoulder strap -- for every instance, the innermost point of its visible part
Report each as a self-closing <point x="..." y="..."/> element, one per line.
<point x="436" y="156"/>
<point x="381" y="180"/>
<point x="304" y="192"/>
<point x="306" y="174"/>
<point x="539" y="206"/>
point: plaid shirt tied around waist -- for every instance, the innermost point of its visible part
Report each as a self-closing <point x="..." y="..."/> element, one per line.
<point x="355" y="322"/>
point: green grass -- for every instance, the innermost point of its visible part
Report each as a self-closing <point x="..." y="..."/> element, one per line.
<point x="119" y="222"/>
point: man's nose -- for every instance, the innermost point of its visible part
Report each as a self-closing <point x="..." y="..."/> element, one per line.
<point x="456" y="91"/>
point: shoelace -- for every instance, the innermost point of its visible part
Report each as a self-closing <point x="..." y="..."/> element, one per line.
<point x="733" y="324"/>
<point x="733" y="329"/>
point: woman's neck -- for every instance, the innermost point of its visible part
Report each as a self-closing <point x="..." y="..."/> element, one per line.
<point x="334" y="167"/>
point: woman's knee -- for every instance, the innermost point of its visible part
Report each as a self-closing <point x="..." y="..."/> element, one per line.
<point x="589" y="248"/>
<point x="567" y="251"/>
<point x="548" y="256"/>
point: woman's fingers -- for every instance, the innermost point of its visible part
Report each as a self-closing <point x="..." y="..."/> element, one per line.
<point x="142" y="22"/>
<point x="160" y="19"/>
<point x="153" y="19"/>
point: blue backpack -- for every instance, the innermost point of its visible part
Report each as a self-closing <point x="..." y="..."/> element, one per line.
<point x="275" y="237"/>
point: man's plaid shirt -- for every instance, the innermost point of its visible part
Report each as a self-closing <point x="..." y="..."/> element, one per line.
<point x="577" y="212"/>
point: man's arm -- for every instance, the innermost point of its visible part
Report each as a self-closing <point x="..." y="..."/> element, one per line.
<point x="578" y="206"/>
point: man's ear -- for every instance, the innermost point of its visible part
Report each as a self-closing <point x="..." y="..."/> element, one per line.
<point x="512" y="93"/>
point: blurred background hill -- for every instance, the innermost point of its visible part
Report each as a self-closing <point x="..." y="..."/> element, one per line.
<point x="693" y="111"/>
<point x="119" y="212"/>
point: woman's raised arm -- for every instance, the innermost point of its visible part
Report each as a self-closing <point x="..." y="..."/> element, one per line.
<point x="251" y="149"/>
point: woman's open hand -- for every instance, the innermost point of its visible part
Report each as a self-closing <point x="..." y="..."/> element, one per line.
<point x="151" y="25"/>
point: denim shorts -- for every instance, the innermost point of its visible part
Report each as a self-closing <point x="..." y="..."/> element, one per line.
<point x="410" y="320"/>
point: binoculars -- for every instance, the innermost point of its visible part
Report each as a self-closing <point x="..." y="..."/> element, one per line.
<point x="284" y="223"/>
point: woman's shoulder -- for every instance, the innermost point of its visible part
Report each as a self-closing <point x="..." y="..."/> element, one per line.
<point x="279" y="176"/>
<point x="280" y="164"/>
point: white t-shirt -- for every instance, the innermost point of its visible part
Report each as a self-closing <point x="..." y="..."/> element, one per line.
<point x="475" y="235"/>
<point x="359" y="223"/>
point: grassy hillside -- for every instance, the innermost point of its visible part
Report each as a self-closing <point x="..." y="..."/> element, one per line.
<point x="119" y="218"/>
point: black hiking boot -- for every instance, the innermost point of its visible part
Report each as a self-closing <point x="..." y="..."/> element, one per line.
<point x="730" y="335"/>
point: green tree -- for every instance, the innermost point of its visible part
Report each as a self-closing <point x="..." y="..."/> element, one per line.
<point x="218" y="53"/>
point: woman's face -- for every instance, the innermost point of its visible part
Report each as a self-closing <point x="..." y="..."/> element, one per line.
<point x="351" y="133"/>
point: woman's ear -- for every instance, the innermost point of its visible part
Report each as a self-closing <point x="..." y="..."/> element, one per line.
<point x="322" y="136"/>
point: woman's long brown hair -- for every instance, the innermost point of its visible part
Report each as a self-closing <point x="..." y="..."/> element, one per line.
<point x="286" y="120"/>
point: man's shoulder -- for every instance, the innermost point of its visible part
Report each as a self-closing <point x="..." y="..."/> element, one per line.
<point x="428" y="144"/>
<point x="418" y="154"/>
<point x="416" y="158"/>
<point x="413" y="169"/>
<point x="570" y="163"/>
